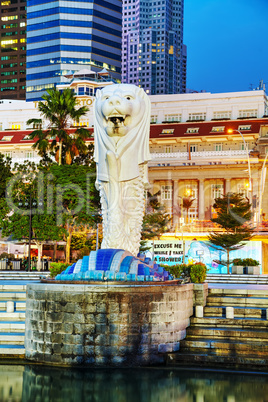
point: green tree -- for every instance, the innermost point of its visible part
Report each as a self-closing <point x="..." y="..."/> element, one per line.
<point x="15" y="213"/>
<point x="76" y="199"/>
<point x="60" y="110"/>
<point x="233" y="216"/>
<point x="6" y="173"/>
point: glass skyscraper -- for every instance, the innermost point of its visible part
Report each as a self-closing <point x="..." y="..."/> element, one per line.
<point x="71" y="35"/>
<point x="13" y="49"/>
<point x="153" y="54"/>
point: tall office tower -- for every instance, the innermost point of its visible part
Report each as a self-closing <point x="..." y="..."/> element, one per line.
<point x="13" y="49"/>
<point x="152" y="45"/>
<point x="66" y="35"/>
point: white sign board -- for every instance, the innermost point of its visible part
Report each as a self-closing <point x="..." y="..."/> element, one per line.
<point x="167" y="252"/>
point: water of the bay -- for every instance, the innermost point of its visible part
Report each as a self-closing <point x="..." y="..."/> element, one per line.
<point x="45" y="384"/>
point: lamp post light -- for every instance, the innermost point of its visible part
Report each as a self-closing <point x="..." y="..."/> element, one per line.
<point x="29" y="203"/>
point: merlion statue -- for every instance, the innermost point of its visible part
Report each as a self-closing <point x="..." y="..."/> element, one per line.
<point x="121" y="129"/>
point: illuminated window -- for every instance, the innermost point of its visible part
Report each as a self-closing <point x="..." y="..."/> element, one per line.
<point x="167" y="131"/>
<point x="192" y="130"/>
<point x="15" y="126"/>
<point x="218" y="129"/>
<point x="9" y="18"/>
<point x="8" y="43"/>
<point x="244" y="128"/>
<point x="7" y="138"/>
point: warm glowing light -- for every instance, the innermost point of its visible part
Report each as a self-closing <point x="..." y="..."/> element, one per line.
<point x="188" y="192"/>
<point x="230" y="130"/>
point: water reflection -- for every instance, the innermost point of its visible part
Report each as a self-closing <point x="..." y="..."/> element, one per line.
<point x="46" y="384"/>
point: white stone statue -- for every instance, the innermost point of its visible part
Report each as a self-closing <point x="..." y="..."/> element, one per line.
<point x="121" y="130"/>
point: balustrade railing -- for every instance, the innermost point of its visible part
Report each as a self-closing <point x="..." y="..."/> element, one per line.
<point x="202" y="154"/>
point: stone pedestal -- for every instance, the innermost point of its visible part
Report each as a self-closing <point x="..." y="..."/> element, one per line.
<point x="237" y="269"/>
<point x="251" y="270"/>
<point x="200" y="294"/>
<point x="254" y="270"/>
<point x="105" y="325"/>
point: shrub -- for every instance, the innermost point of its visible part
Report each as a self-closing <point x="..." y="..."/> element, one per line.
<point x="245" y="262"/>
<point x="198" y="272"/>
<point x="174" y="270"/>
<point x="7" y="256"/>
<point x="57" y="267"/>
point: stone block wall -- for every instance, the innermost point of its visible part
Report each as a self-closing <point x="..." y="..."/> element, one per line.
<point x="105" y="325"/>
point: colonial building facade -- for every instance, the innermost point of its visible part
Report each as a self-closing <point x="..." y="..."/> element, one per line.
<point x="202" y="145"/>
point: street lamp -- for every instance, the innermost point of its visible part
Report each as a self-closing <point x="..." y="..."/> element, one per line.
<point x="29" y="203"/>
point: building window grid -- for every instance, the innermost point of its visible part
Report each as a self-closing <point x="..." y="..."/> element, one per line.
<point x="218" y="146"/>
<point x="166" y="192"/>
<point x="248" y="113"/>
<point x="173" y="117"/>
<point x="197" y="116"/>
<point x="193" y="147"/>
<point x="222" y="115"/>
<point x="217" y="190"/>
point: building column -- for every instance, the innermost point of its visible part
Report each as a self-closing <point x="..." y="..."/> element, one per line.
<point x="201" y="204"/>
<point x="227" y="186"/>
<point x="175" y="204"/>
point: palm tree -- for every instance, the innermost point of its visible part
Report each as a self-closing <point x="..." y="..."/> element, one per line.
<point x="187" y="202"/>
<point x="60" y="110"/>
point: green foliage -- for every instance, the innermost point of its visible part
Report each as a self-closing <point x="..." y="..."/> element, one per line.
<point x="143" y="246"/>
<point x="60" y="110"/>
<point x="5" y="256"/>
<point x="70" y="204"/>
<point x="196" y="273"/>
<point x="5" y="169"/>
<point x="246" y="262"/>
<point x="56" y="268"/>
<point x="233" y="214"/>
<point x="15" y="214"/>
<point x="78" y="241"/>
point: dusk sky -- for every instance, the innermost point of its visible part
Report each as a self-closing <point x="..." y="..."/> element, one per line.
<point x="227" y="44"/>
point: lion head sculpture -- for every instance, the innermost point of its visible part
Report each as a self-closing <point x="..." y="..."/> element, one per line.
<point x="122" y="124"/>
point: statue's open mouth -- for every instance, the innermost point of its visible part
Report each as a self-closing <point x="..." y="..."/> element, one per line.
<point x="116" y="119"/>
